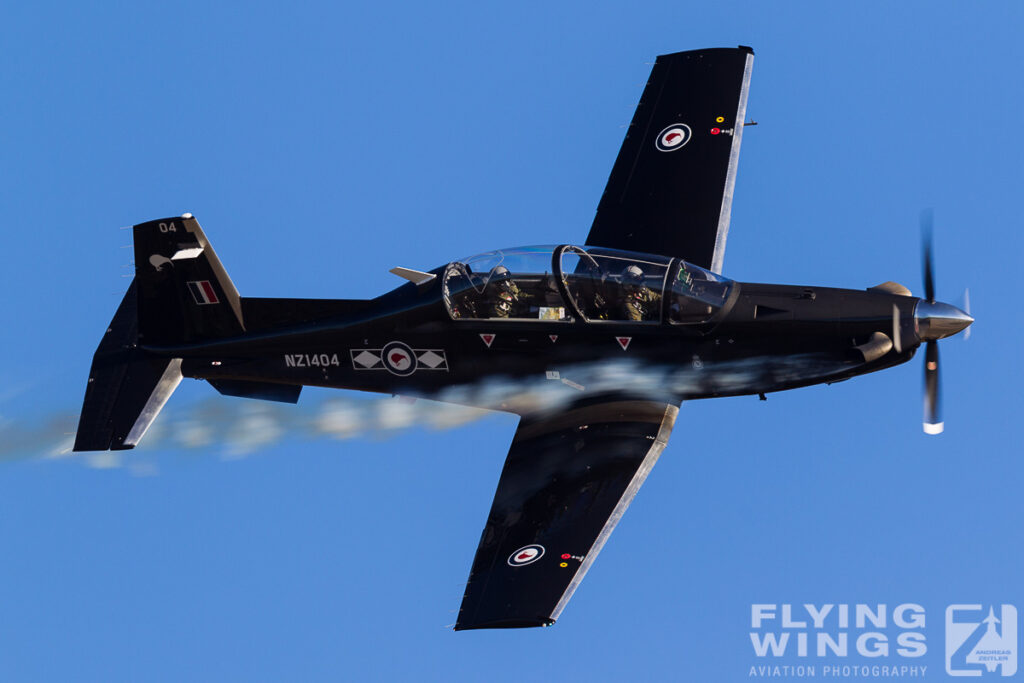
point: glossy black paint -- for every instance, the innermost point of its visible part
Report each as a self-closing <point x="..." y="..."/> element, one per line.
<point x="598" y="398"/>
<point x="670" y="202"/>
<point x="501" y="592"/>
<point x="570" y="463"/>
<point x="763" y="322"/>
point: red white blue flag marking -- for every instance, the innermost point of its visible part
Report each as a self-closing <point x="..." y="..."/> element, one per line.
<point x="202" y="292"/>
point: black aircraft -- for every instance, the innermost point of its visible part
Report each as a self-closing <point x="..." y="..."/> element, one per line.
<point x="593" y="345"/>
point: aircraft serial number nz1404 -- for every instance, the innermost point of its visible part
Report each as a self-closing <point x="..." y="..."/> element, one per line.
<point x="594" y="345"/>
<point x="311" y="360"/>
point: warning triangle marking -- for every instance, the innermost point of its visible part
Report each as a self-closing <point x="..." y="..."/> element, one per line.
<point x="553" y="338"/>
<point x="488" y="339"/>
<point x="624" y="342"/>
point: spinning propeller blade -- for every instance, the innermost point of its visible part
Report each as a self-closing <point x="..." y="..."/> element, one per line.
<point x="927" y="219"/>
<point x="934" y="320"/>
<point x="932" y="418"/>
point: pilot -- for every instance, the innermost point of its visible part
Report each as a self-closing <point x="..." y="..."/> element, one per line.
<point x="506" y="296"/>
<point x="640" y="302"/>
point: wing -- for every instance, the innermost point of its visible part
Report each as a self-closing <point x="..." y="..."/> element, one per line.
<point x="670" y="191"/>
<point x="567" y="481"/>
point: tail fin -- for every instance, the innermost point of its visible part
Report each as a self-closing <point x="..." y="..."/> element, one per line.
<point x="185" y="295"/>
<point x="180" y="294"/>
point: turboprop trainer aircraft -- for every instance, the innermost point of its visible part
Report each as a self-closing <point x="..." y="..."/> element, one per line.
<point x="594" y="345"/>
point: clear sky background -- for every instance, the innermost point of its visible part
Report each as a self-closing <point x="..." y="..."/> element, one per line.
<point x="321" y="145"/>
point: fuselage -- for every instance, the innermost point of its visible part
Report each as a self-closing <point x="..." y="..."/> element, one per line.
<point x="419" y="341"/>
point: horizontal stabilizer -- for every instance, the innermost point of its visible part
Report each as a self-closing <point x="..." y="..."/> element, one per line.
<point x="416" y="277"/>
<point x="126" y="388"/>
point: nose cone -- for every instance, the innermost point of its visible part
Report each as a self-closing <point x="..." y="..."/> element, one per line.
<point x="936" y="320"/>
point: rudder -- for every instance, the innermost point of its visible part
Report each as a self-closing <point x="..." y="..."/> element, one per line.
<point x="184" y="293"/>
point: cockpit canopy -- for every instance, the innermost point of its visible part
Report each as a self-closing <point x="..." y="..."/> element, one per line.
<point x="565" y="283"/>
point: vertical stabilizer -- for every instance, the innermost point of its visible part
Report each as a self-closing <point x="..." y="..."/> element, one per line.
<point x="181" y="294"/>
<point x="185" y="295"/>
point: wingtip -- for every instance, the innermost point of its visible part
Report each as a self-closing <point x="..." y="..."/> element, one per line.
<point x="505" y="623"/>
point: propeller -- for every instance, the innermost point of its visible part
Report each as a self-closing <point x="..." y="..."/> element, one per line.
<point x="933" y="423"/>
<point x="934" y="320"/>
<point x="927" y="220"/>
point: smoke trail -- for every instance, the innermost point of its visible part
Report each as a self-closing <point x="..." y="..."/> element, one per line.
<point x="234" y="428"/>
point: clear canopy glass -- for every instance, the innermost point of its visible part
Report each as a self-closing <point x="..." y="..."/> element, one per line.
<point x="696" y="294"/>
<point x="530" y="283"/>
<point x="511" y="284"/>
<point x="607" y="284"/>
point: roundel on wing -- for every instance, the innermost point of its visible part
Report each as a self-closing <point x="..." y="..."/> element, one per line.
<point x="399" y="359"/>
<point x="673" y="137"/>
<point x="526" y="555"/>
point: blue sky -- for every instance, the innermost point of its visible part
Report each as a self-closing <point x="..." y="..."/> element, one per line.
<point x="323" y="144"/>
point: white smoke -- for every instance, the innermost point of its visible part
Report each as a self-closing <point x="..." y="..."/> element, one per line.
<point x="233" y="428"/>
